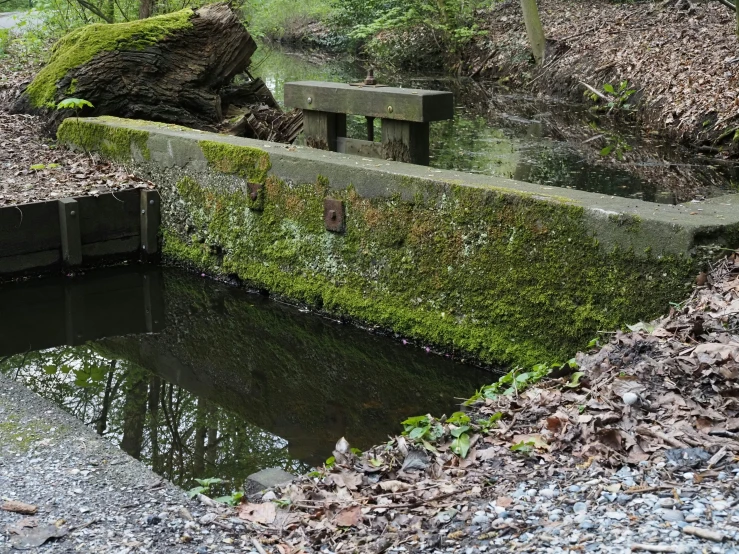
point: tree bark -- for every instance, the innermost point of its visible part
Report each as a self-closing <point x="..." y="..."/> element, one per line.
<point x="146" y="8"/>
<point x="534" y="29"/>
<point x="176" y="80"/>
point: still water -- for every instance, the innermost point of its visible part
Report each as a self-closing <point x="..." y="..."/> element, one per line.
<point x="200" y="379"/>
<point x="496" y="131"/>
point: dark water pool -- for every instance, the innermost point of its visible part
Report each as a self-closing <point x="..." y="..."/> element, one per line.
<point x="200" y="379"/>
<point x="496" y="131"/>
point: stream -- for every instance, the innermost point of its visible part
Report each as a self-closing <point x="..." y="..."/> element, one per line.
<point x="199" y="379"/>
<point x="496" y="131"/>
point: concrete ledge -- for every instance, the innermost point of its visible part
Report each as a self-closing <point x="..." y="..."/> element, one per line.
<point x="500" y="269"/>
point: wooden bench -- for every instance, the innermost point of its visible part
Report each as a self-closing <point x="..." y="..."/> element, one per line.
<point x="405" y="115"/>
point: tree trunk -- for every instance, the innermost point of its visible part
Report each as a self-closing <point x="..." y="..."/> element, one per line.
<point x="534" y="29"/>
<point x="172" y="74"/>
<point x="134" y="413"/>
<point x="146" y="8"/>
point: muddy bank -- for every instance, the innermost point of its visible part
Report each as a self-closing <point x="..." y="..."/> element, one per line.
<point x="682" y="64"/>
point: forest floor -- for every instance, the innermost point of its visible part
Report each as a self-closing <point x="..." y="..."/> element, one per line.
<point x="33" y="167"/>
<point x="680" y="58"/>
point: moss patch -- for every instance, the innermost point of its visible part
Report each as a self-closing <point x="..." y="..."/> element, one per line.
<point x="113" y="142"/>
<point x="81" y="45"/>
<point x="250" y="163"/>
<point x="503" y="277"/>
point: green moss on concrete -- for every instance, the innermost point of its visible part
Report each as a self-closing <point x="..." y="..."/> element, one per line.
<point x="83" y="44"/>
<point x="251" y="163"/>
<point x="113" y="142"/>
<point x="505" y="277"/>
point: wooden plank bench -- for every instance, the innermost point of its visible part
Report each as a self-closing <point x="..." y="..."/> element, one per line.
<point x="405" y="115"/>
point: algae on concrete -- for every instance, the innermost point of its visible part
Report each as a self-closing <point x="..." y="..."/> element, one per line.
<point x="492" y="268"/>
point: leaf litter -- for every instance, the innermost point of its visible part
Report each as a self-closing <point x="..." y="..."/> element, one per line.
<point x="34" y="168"/>
<point x="664" y="394"/>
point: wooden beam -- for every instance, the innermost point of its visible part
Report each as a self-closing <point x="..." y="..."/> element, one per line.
<point x="405" y="141"/>
<point x="150" y="204"/>
<point x="359" y="147"/>
<point x="69" y="227"/>
<point x="387" y="102"/>
<point x="322" y="129"/>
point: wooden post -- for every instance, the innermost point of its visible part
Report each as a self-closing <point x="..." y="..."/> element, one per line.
<point x="534" y="29"/>
<point x="153" y="301"/>
<point x="74" y="314"/>
<point x="405" y="141"/>
<point x="323" y="128"/>
<point x="69" y="227"/>
<point x="149" y="223"/>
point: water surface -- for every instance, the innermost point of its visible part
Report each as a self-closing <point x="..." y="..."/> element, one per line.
<point x="496" y="131"/>
<point x="200" y="379"/>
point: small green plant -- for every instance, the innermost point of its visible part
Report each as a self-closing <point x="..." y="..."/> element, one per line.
<point x="616" y="146"/>
<point x="423" y="428"/>
<point x="517" y="380"/>
<point x="204" y="486"/>
<point x="330" y="462"/>
<point x="487" y="424"/>
<point x="613" y="97"/>
<point x="234" y="499"/>
<point x="37" y="167"/>
<point x="76" y="104"/>
<point x="524" y="447"/>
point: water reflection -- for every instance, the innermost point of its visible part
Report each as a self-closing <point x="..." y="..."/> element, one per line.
<point x="199" y="379"/>
<point x="517" y="136"/>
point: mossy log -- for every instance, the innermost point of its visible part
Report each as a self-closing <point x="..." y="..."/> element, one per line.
<point x="170" y="68"/>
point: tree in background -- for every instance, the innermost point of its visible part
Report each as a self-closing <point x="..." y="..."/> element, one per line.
<point x="534" y="29"/>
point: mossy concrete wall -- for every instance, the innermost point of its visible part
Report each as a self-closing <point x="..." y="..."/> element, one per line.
<point x="506" y="271"/>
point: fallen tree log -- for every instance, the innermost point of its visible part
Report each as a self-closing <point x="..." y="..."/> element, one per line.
<point x="176" y="68"/>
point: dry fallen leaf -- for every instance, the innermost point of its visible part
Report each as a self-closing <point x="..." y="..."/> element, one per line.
<point x="264" y="513"/>
<point x="19" y="507"/>
<point x="349" y="517"/>
<point x="503" y="501"/>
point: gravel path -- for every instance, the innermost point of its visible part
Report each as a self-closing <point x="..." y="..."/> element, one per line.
<point x="106" y="500"/>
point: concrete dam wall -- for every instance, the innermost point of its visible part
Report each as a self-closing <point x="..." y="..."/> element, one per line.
<point x="495" y="269"/>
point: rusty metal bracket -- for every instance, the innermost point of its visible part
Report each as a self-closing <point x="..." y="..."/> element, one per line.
<point x="334" y="215"/>
<point x="256" y="196"/>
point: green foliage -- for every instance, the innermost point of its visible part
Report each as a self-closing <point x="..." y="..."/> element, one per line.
<point x="203" y="486"/>
<point x="524" y="447"/>
<point x="75" y="104"/>
<point x="232" y="499"/>
<point x="4" y="41"/>
<point x="285" y="19"/>
<point x="452" y="23"/>
<point x="616" y="97"/>
<point x="517" y="380"/>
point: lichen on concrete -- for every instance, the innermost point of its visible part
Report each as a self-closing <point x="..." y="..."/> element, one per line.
<point x="83" y="44"/>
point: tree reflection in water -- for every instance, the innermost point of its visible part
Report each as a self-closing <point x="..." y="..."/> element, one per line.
<point x="177" y="434"/>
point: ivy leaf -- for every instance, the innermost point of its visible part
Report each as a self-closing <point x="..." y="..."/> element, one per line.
<point x="418" y="432"/>
<point x="608" y="87"/>
<point x="575" y="380"/>
<point x="457" y="431"/>
<point x="461" y="446"/>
